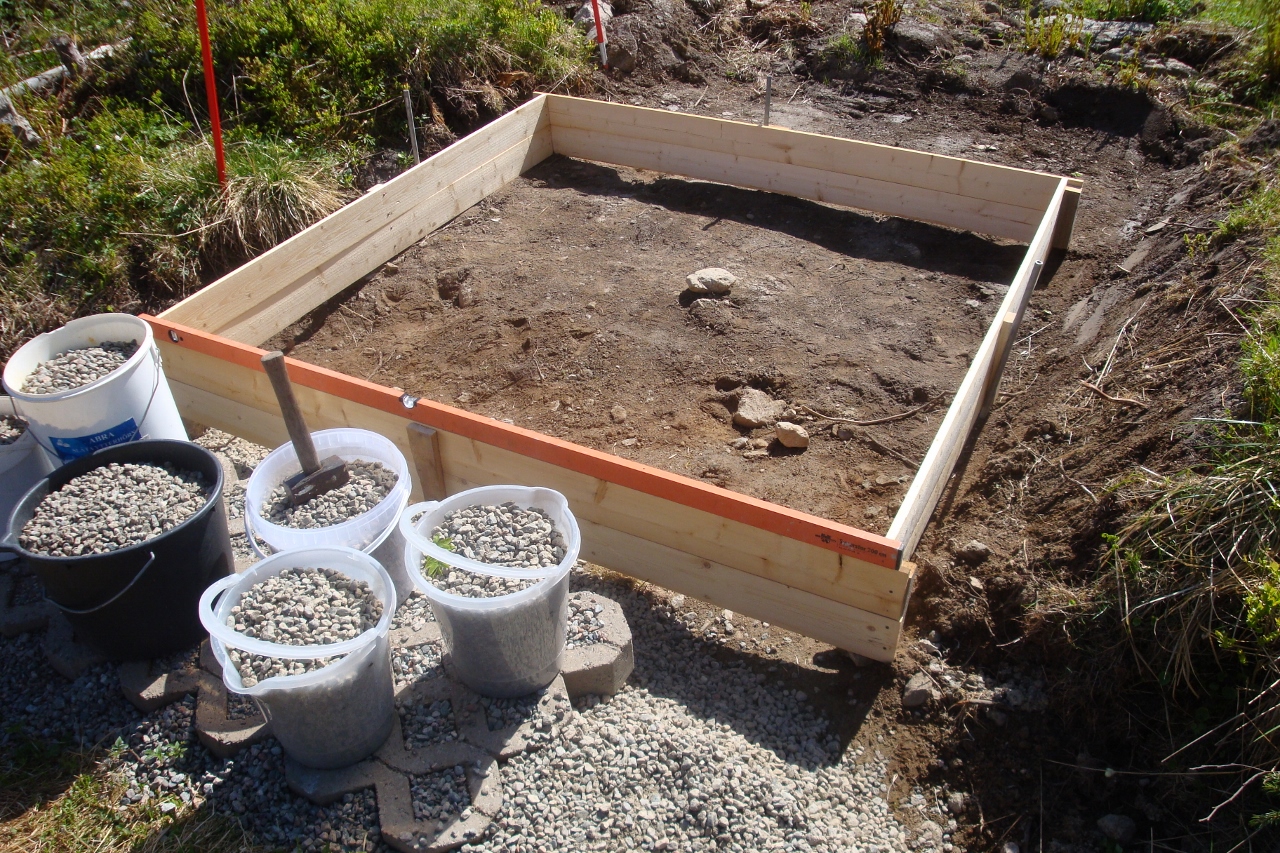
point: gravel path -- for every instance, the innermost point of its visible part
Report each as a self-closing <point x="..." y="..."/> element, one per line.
<point x="440" y="795"/>
<point x="584" y="624"/>
<point x="76" y="367"/>
<point x="113" y="507"/>
<point x="414" y="612"/>
<point x="11" y="429"/>
<point x="370" y="482"/>
<point x="427" y="725"/>
<point x="300" y="607"/>
<point x="735" y="760"/>
<point x="418" y="663"/>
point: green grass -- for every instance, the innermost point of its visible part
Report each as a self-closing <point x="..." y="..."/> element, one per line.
<point x="119" y="207"/>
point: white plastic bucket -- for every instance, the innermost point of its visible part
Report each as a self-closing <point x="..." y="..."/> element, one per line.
<point x="509" y="645"/>
<point x="131" y="402"/>
<point x="374" y="532"/>
<point x="22" y="464"/>
<point x="329" y="717"/>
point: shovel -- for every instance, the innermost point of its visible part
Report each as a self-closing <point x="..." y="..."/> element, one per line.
<point x="318" y="476"/>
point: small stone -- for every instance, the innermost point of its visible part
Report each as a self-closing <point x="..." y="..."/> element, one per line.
<point x="1010" y="847"/>
<point x="973" y="303"/>
<point x="872" y="512"/>
<point x="791" y="435"/>
<point x="712" y="280"/>
<point x="585" y="17"/>
<point x="956" y="803"/>
<point x="390" y="268"/>
<point x="919" y="690"/>
<point x="757" y="409"/>
<point x="1119" y="828"/>
<point x="972" y="552"/>
<point x="618" y="414"/>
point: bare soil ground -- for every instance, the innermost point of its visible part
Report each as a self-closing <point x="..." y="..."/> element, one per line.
<point x="575" y="277"/>
<point x="576" y="273"/>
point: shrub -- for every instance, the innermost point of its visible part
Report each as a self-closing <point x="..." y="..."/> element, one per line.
<point x="334" y="69"/>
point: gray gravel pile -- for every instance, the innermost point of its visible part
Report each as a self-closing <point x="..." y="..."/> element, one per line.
<point x="426" y="725"/>
<point x="11" y="429"/>
<point x="414" y="612"/>
<point x="78" y="366"/>
<point x="475" y="585"/>
<point x="584" y="626"/>
<point x="300" y="607"/>
<point x="113" y="507"/>
<point x="440" y="795"/>
<point x="417" y="663"/>
<point x="370" y="482"/>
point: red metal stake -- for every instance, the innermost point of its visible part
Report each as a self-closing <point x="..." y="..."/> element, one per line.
<point x="211" y="90"/>
<point x="604" y="54"/>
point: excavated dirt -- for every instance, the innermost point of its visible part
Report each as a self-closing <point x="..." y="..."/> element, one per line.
<point x="576" y="274"/>
<point x="572" y="280"/>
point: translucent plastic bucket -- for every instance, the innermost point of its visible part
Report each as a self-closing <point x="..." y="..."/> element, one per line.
<point x="329" y="717"/>
<point x="131" y="402"/>
<point x="375" y="532"/>
<point x="22" y="465"/>
<point x="510" y="645"/>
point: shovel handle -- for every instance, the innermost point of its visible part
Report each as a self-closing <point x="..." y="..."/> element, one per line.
<point x="273" y="363"/>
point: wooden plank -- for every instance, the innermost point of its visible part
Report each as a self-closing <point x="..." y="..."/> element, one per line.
<point x="829" y="559"/>
<point x="953" y="175"/>
<point x="927" y="487"/>
<point x="882" y="197"/>
<point x="1007" y="327"/>
<point x="1067" y="217"/>
<point x="816" y="570"/>
<point x="265" y="295"/>
<point x="428" y="461"/>
<point x="842" y="626"/>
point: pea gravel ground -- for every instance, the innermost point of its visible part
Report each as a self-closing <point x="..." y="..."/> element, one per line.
<point x="706" y="749"/>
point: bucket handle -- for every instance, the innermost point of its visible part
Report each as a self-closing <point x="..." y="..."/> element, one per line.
<point x="112" y="599"/>
<point x="449" y="558"/>
<point x="235" y="639"/>
<point x="251" y="534"/>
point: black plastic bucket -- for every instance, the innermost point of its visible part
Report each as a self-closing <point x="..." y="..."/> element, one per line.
<point x="141" y="601"/>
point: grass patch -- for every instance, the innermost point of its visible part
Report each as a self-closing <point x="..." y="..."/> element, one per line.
<point x="1194" y="571"/>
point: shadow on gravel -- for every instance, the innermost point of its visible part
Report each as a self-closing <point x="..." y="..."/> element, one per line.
<point x="875" y="238"/>
<point x="805" y="715"/>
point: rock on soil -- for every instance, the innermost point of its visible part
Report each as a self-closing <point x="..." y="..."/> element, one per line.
<point x="113" y="507"/>
<point x="79" y="366"/>
<point x="919" y="690"/>
<point x="11" y="429"/>
<point x="712" y="280"/>
<point x="300" y="607"/>
<point x="791" y="435"/>
<point x="1118" y="828"/>
<point x="757" y="409"/>
<point x="370" y="482"/>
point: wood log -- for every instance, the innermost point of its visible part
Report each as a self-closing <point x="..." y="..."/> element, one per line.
<point x="20" y="126"/>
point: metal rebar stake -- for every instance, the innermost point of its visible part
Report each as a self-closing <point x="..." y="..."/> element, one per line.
<point x="413" y="127"/>
<point x="768" y="99"/>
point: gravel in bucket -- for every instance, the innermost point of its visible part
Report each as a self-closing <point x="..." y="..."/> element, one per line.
<point x="79" y="366"/>
<point x="113" y="507"/>
<point x="11" y="429"/>
<point x="441" y="795"/>
<point x="427" y="725"/>
<point x="417" y="663"/>
<point x="300" y="607"/>
<point x="584" y="624"/>
<point x="370" y="482"/>
<point x="504" y="535"/>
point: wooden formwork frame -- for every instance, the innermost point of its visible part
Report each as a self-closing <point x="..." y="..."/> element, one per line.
<point x="830" y="581"/>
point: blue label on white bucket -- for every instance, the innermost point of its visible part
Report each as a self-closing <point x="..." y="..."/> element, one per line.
<point x="73" y="447"/>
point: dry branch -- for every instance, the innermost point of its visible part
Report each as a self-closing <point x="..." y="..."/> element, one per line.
<point x="44" y="83"/>
<point x="1128" y="401"/>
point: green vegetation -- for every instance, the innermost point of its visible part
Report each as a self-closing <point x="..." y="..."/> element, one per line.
<point x="119" y="208"/>
<point x="433" y="567"/>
